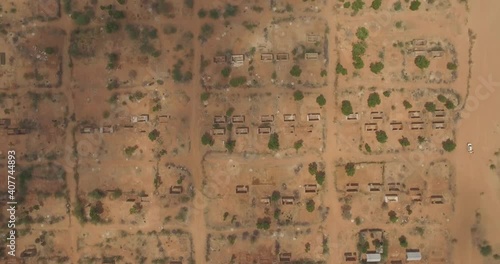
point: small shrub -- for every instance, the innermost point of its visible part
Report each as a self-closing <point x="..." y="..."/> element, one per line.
<point x="321" y="100"/>
<point x="97" y="194"/>
<point x="357" y="5"/>
<point x="313" y="168"/>
<point x="376" y="4"/>
<point x="323" y="73"/>
<point x="237" y="81"/>
<point x="441" y="98"/>
<point x="387" y="93"/>
<point x="403" y="242"/>
<point x="274" y="143"/>
<point x="393" y="217"/>
<point x="230" y="145"/>
<point x="230" y="111"/>
<point x="404" y="141"/>
<point x="207" y="139"/>
<point x="347" y="4"/>
<point x="422" y="62"/>
<point x="298" y="95"/>
<point x="350" y="169"/>
<point x="381" y="136"/>
<point x="376" y="67"/>
<point x="398" y="6"/>
<point x="449" y="145"/>
<point x="214" y="14"/>
<point x="320" y="177"/>
<point x="414" y="5"/>
<point x="485" y="250"/>
<point x="373" y="99"/>
<point x="202" y="13"/>
<point x="204" y="96"/>
<point x="296" y="71"/>
<point x="407" y="104"/>
<point x="368" y="148"/>
<point x="153" y="135"/>
<point x="420" y="139"/>
<point x="340" y="69"/>
<point x="310" y="206"/>
<point x="449" y="105"/>
<point x="358" y="63"/>
<point x="264" y="223"/>
<point x="430" y="106"/>
<point x="451" y="66"/>
<point x="226" y="71"/>
<point x="362" y="33"/>
<point x="275" y="196"/>
<point x="230" y="10"/>
<point x="298" y="144"/>
<point x="129" y="151"/>
<point x="346" y="108"/>
<point x="50" y="50"/>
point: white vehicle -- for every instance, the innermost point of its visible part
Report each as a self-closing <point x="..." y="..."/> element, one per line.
<point x="469" y="148"/>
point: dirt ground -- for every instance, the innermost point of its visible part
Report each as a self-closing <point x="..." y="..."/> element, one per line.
<point x="189" y="131"/>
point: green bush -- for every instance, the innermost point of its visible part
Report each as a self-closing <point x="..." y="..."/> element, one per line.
<point x="133" y="31"/>
<point x="169" y="29"/>
<point x="320" y="177"/>
<point x="350" y="169"/>
<point x="264" y="223"/>
<point x="82" y="19"/>
<point x="237" y="81"/>
<point x="204" y="96"/>
<point x="340" y="69"/>
<point x="449" y="105"/>
<point x="387" y="93"/>
<point x="296" y="71"/>
<point x="153" y="135"/>
<point x="274" y="143"/>
<point x="275" y="196"/>
<point x="381" y="136"/>
<point x="376" y="67"/>
<point x="298" y="95"/>
<point x="393" y="217"/>
<point x="97" y="194"/>
<point x="347" y="4"/>
<point x="50" y="50"/>
<point x="449" y="145"/>
<point x="441" y="98"/>
<point x="207" y="139"/>
<point x="226" y="71"/>
<point x="485" y="250"/>
<point x="230" y="145"/>
<point x="358" y="63"/>
<point x="403" y="242"/>
<point x="421" y="139"/>
<point x="358" y="49"/>
<point x="129" y="151"/>
<point x="321" y="100"/>
<point x="214" y="14"/>
<point x="368" y="148"/>
<point x="414" y="5"/>
<point x="451" y="66"/>
<point x="346" y="108"/>
<point x="404" y="141"/>
<point x="422" y="62"/>
<point x="202" y="13"/>
<point x="313" y="168"/>
<point x="373" y="99"/>
<point x="430" y="106"/>
<point x="407" y="104"/>
<point x="298" y="144"/>
<point x="357" y="5"/>
<point x="189" y="3"/>
<point x="230" y="111"/>
<point x="397" y="6"/>
<point x="376" y="4"/>
<point x="310" y="206"/>
<point x="362" y="33"/>
<point x="230" y="10"/>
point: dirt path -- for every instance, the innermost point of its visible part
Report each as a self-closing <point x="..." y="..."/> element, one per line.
<point x="478" y="187"/>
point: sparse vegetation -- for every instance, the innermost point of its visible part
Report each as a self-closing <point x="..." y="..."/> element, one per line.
<point x="204" y="96"/>
<point x="320" y="177"/>
<point x="451" y="66"/>
<point x="340" y="69"/>
<point x="313" y="168"/>
<point x="273" y="143"/>
<point x="449" y="145"/>
<point x="129" y="151"/>
<point x="310" y="206"/>
<point x="207" y="140"/>
<point x="264" y="223"/>
<point x="230" y="145"/>
<point x="404" y="141"/>
<point x="296" y="71"/>
<point x="393" y="217"/>
<point x="298" y="144"/>
<point x="407" y="104"/>
<point x="226" y="71"/>
<point x="298" y="95"/>
<point x="403" y="242"/>
<point x="237" y="81"/>
<point x="153" y="135"/>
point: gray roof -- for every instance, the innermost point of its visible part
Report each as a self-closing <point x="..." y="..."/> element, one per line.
<point x="373" y="257"/>
<point x="413" y="256"/>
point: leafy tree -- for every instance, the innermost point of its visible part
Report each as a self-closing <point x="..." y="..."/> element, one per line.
<point x="313" y="168"/>
<point x="298" y="95"/>
<point x="296" y="71"/>
<point x="275" y="196"/>
<point x="226" y="72"/>
<point x="321" y="100"/>
<point x="381" y="136"/>
<point x="376" y="67"/>
<point x="346" y="108"/>
<point x="340" y="69"/>
<point x="430" y="106"/>
<point x="485" y="250"/>
<point x="129" y="151"/>
<point x="264" y="223"/>
<point x="376" y="4"/>
<point x="403" y="242"/>
<point x="230" y="10"/>
<point x="362" y="33"/>
<point x="387" y="93"/>
<point x="298" y="144"/>
<point x="277" y="213"/>
<point x="397" y="6"/>
<point x="310" y="206"/>
<point x="404" y="141"/>
<point x="414" y="5"/>
<point x="230" y="111"/>
<point x="320" y="177"/>
<point x="230" y="144"/>
<point x="407" y="104"/>
<point x="347" y="4"/>
<point x="95" y="212"/>
<point x="422" y="62"/>
<point x="207" y="139"/>
<point x="373" y="99"/>
<point x="421" y="139"/>
<point x="274" y="143"/>
<point x="350" y="169"/>
<point x="97" y="194"/>
<point x="153" y="135"/>
<point x="82" y="19"/>
<point x="449" y="145"/>
<point x="358" y="49"/>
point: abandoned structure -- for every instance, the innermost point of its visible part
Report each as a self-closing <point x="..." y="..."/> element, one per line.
<point x="313" y="117"/>
<point x="176" y="189"/>
<point x="242" y="188"/>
